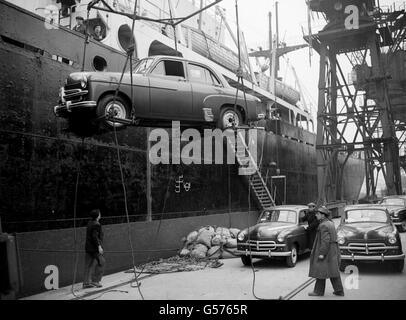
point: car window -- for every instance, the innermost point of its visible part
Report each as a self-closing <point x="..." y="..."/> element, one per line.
<point x="159" y="69"/>
<point x="302" y="215"/>
<point x="142" y="65"/>
<point x="202" y="75"/>
<point x="169" y="68"/>
<point x="365" y="215"/>
<point x="214" y="79"/>
<point x="393" y="202"/>
<point x="278" y="216"/>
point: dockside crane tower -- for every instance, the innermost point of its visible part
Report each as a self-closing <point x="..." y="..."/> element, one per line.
<point x="365" y="109"/>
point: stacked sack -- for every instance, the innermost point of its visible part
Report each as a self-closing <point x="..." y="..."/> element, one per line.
<point x="210" y="243"/>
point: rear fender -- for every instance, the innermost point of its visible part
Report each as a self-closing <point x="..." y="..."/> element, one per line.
<point x="217" y="102"/>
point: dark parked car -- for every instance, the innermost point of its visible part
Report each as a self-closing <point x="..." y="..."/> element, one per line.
<point x="165" y="89"/>
<point x="279" y="233"/>
<point x="367" y="233"/>
<point x="397" y="210"/>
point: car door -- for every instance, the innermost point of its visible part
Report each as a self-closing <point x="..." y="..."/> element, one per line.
<point x="204" y="83"/>
<point x="171" y="93"/>
<point x="303" y="238"/>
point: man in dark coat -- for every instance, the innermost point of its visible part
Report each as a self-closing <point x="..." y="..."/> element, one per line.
<point x="94" y="260"/>
<point x="80" y="25"/>
<point x="325" y="256"/>
<point x="313" y="223"/>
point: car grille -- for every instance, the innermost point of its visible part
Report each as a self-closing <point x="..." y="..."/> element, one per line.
<point x="72" y="95"/>
<point x="253" y="245"/>
<point x="367" y="248"/>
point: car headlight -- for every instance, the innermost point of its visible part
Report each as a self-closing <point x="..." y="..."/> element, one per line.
<point x="241" y="236"/>
<point x="83" y="82"/>
<point x="396" y="214"/>
<point x="281" y="238"/>
<point x="341" y="240"/>
<point x="392" y="240"/>
<point x="79" y="77"/>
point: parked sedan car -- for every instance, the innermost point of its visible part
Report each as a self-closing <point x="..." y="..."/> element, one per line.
<point x="279" y="233"/>
<point x="397" y="210"/>
<point x="367" y="233"/>
<point x="165" y="89"/>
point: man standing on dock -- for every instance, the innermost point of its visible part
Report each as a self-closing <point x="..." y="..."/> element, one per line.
<point x="325" y="256"/>
<point x="94" y="260"/>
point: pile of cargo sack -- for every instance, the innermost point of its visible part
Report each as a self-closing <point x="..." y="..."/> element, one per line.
<point x="210" y="243"/>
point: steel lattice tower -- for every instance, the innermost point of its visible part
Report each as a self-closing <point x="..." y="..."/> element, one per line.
<point x="367" y="112"/>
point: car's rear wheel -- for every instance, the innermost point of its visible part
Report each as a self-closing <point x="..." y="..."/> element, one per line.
<point x="115" y="107"/>
<point x="292" y="258"/>
<point x="246" y="260"/>
<point x="230" y="117"/>
<point x="398" y="266"/>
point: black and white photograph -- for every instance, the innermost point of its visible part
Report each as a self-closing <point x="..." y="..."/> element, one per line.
<point x="202" y="155"/>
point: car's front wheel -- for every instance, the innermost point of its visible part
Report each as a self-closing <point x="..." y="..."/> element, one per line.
<point x="109" y="106"/>
<point x="230" y="117"/>
<point x="292" y="258"/>
<point x="246" y="260"/>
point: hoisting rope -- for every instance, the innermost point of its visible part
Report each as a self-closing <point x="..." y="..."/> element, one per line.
<point x="240" y="76"/>
<point x="130" y="51"/>
<point x="127" y="215"/>
<point x="79" y="169"/>
<point x="86" y="42"/>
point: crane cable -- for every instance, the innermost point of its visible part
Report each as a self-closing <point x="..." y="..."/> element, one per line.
<point x="241" y="78"/>
<point x="79" y="169"/>
<point x="130" y="50"/>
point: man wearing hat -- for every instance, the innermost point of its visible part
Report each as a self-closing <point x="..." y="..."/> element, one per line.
<point x="80" y="25"/>
<point x="313" y="223"/>
<point x="325" y="256"/>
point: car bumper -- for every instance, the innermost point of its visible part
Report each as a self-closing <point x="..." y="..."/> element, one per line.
<point x="373" y="258"/>
<point x="62" y="109"/>
<point x="262" y="254"/>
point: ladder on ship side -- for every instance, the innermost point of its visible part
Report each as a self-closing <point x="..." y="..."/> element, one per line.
<point x="250" y="168"/>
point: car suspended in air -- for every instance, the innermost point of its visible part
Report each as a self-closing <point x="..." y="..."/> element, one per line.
<point x="164" y="89"/>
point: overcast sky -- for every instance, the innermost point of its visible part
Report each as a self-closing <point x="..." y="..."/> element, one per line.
<point x="253" y="16"/>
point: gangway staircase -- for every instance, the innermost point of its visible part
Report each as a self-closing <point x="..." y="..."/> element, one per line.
<point x="250" y="170"/>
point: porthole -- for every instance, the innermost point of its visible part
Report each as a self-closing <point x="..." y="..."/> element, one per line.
<point x="99" y="63"/>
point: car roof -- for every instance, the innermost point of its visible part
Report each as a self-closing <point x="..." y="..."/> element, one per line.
<point x="291" y="207"/>
<point x="174" y="58"/>
<point x="401" y="196"/>
<point x="365" y="206"/>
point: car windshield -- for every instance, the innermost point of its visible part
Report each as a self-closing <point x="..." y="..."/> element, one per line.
<point x="366" y="215"/>
<point x="278" y="216"/>
<point x="142" y="65"/>
<point x="393" y="202"/>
